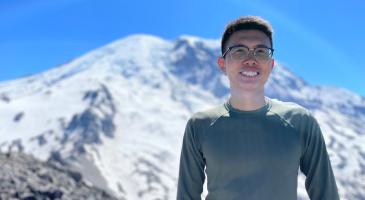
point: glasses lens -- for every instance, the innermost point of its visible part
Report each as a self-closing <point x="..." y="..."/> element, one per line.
<point x="239" y="53"/>
<point x="262" y="53"/>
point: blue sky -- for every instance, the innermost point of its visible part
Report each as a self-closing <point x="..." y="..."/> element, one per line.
<point x="321" y="41"/>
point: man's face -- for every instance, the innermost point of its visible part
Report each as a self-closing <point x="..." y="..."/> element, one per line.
<point x="247" y="74"/>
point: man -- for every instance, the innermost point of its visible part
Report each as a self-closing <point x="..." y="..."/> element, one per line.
<point x="252" y="146"/>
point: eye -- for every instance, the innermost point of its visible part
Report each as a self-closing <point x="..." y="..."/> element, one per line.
<point x="262" y="51"/>
<point x="239" y="50"/>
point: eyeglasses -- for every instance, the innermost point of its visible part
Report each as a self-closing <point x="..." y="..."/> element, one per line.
<point x="241" y="52"/>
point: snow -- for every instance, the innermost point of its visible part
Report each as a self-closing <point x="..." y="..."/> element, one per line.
<point x="153" y="98"/>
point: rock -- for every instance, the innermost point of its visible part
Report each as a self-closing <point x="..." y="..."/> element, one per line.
<point x="23" y="177"/>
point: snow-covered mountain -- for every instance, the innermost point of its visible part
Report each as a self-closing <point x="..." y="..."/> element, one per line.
<point x="117" y="114"/>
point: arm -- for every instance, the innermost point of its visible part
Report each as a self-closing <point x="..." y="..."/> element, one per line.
<point x="315" y="164"/>
<point x="191" y="172"/>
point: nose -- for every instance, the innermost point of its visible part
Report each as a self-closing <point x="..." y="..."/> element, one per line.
<point x="250" y="61"/>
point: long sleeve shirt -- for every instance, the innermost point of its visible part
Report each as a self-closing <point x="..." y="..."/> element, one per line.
<point x="254" y="155"/>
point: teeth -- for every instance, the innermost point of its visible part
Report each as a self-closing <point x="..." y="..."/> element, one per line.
<point x="251" y="74"/>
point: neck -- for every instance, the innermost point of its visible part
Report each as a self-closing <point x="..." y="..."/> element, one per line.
<point x="247" y="102"/>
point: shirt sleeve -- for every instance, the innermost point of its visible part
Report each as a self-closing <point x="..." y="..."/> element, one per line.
<point x="191" y="171"/>
<point x="315" y="164"/>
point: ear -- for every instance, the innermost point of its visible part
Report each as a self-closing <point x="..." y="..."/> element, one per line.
<point x="272" y="63"/>
<point x="221" y="64"/>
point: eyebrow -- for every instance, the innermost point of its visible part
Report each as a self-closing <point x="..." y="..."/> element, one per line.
<point x="256" y="46"/>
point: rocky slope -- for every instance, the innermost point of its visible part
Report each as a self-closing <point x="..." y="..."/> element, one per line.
<point x="24" y="177"/>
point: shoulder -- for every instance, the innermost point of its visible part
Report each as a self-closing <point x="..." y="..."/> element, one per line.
<point x="287" y="108"/>
<point x="209" y="116"/>
<point x="294" y="114"/>
<point x="298" y="118"/>
<point x="200" y="121"/>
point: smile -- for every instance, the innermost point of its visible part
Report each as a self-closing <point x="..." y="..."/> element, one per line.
<point x="249" y="73"/>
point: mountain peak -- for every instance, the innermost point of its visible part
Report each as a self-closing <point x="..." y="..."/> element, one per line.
<point x="139" y="39"/>
<point x="194" y="40"/>
<point x="124" y="106"/>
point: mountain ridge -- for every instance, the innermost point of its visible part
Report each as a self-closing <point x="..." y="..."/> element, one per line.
<point x="118" y="113"/>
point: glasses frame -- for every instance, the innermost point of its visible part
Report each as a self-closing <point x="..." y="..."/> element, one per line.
<point x="249" y="50"/>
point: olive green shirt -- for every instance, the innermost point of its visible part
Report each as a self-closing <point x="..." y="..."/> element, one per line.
<point x="254" y="155"/>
